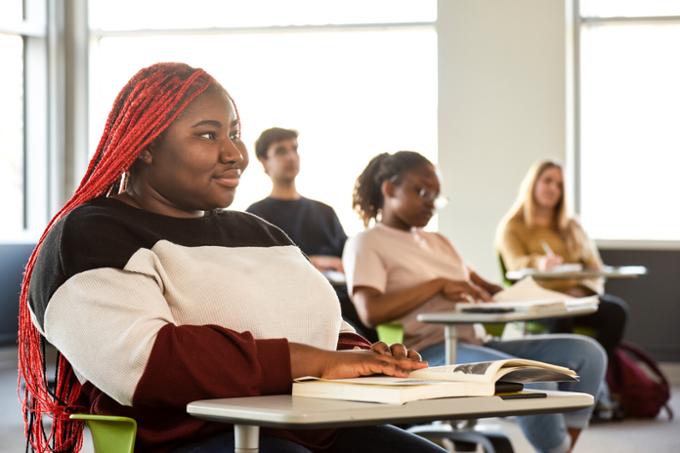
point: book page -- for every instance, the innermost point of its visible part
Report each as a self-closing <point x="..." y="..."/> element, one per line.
<point x="566" y="268"/>
<point x="528" y="374"/>
<point x="464" y="372"/>
<point x="492" y="371"/>
<point x="528" y="290"/>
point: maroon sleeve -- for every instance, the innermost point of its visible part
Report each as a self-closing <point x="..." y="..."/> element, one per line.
<point x="189" y="363"/>
<point x="348" y="340"/>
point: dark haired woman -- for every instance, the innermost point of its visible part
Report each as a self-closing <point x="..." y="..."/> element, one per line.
<point x="154" y="296"/>
<point x="395" y="270"/>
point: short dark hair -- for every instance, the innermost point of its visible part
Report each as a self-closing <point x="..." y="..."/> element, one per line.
<point x="270" y="136"/>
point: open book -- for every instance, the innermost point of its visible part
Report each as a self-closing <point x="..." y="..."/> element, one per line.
<point x="527" y="295"/>
<point x="469" y="379"/>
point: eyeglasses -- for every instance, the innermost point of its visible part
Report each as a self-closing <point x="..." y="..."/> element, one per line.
<point x="427" y="195"/>
<point x="430" y="196"/>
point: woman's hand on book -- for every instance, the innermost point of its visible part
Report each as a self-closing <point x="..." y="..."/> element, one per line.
<point x="349" y="364"/>
<point x="310" y="361"/>
<point x="397" y="350"/>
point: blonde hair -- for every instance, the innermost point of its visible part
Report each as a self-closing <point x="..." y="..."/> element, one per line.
<point x="525" y="207"/>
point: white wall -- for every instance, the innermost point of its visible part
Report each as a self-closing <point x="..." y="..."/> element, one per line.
<point x="502" y="105"/>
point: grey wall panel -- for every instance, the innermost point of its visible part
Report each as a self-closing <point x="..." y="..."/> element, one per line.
<point x="654" y="300"/>
<point x="13" y="258"/>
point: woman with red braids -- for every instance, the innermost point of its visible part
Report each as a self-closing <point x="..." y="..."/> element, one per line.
<point x="154" y="296"/>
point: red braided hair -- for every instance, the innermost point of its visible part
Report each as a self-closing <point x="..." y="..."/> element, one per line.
<point x="143" y="109"/>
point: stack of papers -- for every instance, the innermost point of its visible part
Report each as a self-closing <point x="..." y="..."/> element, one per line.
<point x="527" y="295"/>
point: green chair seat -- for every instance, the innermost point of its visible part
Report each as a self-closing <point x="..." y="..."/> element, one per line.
<point x="390" y="333"/>
<point x="110" y="433"/>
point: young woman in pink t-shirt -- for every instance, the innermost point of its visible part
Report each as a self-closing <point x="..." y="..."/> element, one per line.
<point x="395" y="270"/>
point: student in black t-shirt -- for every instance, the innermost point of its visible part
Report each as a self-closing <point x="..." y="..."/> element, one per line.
<point x="311" y="224"/>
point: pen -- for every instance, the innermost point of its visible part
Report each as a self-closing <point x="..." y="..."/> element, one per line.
<point x="546" y="248"/>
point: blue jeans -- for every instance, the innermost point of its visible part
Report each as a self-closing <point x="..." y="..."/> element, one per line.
<point x="366" y="439"/>
<point x="546" y="432"/>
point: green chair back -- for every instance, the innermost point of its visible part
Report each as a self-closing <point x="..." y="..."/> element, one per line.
<point x="504" y="270"/>
<point x="390" y="333"/>
<point x="110" y="434"/>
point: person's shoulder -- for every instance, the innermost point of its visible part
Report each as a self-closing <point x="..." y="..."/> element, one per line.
<point x="368" y="238"/>
<point x="98" y="218"/>
<point x="320" y="205"/>
<point x="259" y="206"/>
<point x="514" y="226"/>
<point x="574" y="224"/>
<point x="90" y="236"/>
<point x="515" y="222"/>
<point x="105" y="228"/>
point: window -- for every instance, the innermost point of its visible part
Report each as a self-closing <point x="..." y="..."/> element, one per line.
<point x="629" y="109"/>
<point x="12" y="133"/>
<point x="205" y="14"/>
<point x="23" y="118"/>
<point x="351" y="91"/>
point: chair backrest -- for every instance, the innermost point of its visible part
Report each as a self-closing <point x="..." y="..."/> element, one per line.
<point x="110" y="434"/>
<point x="504" y="270"/>
<point x="390" y="333"/>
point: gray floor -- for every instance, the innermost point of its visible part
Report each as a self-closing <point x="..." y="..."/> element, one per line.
<point x="632" y="436"/>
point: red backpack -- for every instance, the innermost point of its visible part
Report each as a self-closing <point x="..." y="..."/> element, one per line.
<point x="636" y="381"/>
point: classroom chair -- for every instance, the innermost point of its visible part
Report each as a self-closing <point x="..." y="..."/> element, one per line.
<point x="110" y="434"/>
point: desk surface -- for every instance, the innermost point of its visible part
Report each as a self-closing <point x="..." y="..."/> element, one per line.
<point x="456" y="317"/>
<point x="612" y="272"/>
<point x="286" y="411"/>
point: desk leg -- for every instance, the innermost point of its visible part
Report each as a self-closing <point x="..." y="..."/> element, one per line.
<point x="450" y="343"/>
<point x="247" y="438"/>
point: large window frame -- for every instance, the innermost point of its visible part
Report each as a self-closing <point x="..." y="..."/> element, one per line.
<point x="576" y="157"/>
<point x="33" y="30"/>
<point x="95" y="35"/>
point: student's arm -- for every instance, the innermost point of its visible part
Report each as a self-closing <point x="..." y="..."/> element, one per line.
<point x="375" y="307"/>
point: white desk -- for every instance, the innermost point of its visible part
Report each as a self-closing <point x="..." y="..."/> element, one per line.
<point x="453" y="318"/>
<point x="288" y="412"/>
<point x="609" y="272"/>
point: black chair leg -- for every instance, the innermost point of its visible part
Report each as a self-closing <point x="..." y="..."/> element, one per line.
<point x="491" y="442"/>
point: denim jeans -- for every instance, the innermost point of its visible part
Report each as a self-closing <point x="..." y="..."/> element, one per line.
<point x="366" y="439"/>
<point x="546" y="432"/>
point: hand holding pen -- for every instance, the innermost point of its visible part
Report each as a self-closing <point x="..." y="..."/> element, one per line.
<point x="550" y="260"/>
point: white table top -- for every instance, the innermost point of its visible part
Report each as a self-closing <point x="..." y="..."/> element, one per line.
<point x="610" y="272"/>
<point x="457" y="317"/>
<point x="286" y="411"/>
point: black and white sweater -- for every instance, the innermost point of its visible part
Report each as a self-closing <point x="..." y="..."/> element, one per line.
<point x="153" y="311"/>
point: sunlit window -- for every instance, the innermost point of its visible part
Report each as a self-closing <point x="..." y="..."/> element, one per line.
<point x="630" y="105"/>
<point x="11" y="11"/>
<point x="629" y="8"/>
<point x="351" y="93"/>
<point x="12" y="134"/>
<point x="180" y="14"/>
